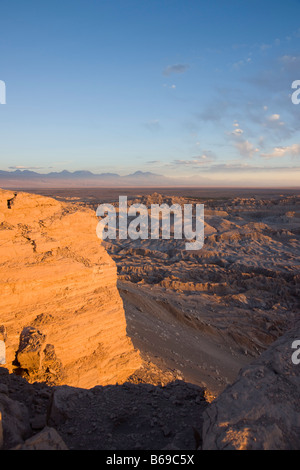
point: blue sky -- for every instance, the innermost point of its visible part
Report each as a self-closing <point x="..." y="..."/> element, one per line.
<point x="193" y="89"/>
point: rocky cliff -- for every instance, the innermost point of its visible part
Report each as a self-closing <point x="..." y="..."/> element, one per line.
<point x="61" y="314"/>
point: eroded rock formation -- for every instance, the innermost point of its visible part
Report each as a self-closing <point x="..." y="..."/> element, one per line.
<point x="245" y="279"/>
<point x="60" y="308"/>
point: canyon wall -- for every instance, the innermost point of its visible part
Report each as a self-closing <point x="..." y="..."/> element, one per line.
<point x="61" y="314"/>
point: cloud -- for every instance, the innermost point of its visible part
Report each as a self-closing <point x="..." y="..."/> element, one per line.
<point x="245" y="148"/>
<point x="276" y="127"/>
<point x="276" y="75"/>
<point x="153" y="125"/>
<point x="264" y="47"/>
<point x="169" y="86"/>
<point x="245" y="167"/>
<point x="23" y="167"/>
<point x="154" y="162"/>
<point x="237" y="132"/>
<point x="177" y="68"/>
<point x="200" y="160"/>
<point x="240" y="63"/>
<point x="280" y="152"/>
<point x="261" y="142"/>
<point x="215" y="112"/>
<point x="290" y="63"/>
<point x="274" y="117"/>
<point x="274" y="121"/>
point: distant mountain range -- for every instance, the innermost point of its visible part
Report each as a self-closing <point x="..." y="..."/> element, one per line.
<point x="22" y="179"/>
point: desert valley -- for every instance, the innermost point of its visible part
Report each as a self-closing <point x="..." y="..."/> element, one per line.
<point x="149" y="229"/>
<point x="141" y="344"/>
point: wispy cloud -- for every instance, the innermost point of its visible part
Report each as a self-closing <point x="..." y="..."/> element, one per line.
<point x="23" y="167"/>
<point x="169" y="86"/>
<point x="276" y="128"/>
<point x="241" y="63"/>
<point x="153" y="125"/>
<point x="274" y="120"/>
<point x="154" y="162"/>
<point x="177" y="68"/>
<point x="245" y="167"/>
<point x="237" y="132"/>
<point x="213" y="113"/>
<point x="243" y="146"/>
<point x="291" y="63"/>
<point x="246" y="148"/>
<point x="274" y="117"/>
<point x="280" y="152"/>
<point x="200" y="160"/>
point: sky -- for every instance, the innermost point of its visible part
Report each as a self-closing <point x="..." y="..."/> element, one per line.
<point x="192" y="89"/>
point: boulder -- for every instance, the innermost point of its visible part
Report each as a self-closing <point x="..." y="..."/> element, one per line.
<point x="260" y="410"/>
<point x="14" y="422"/>
<point x="47" y="439"/>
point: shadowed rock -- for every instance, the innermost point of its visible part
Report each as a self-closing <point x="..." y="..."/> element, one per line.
<point x="260" y="411"/>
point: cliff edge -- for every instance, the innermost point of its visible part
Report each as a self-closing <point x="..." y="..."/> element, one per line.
<point x="62" y="318"/>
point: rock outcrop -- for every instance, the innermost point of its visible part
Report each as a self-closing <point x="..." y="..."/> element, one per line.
<point x="260" y="411"/>
<point x="60" y="308"/>
<point x="47" y="439"/>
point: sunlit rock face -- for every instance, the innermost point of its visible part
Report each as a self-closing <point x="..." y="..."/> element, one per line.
<point x="60" y="308"/>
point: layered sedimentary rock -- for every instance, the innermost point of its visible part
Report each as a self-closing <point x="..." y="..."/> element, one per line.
<point x="60" y="308"/>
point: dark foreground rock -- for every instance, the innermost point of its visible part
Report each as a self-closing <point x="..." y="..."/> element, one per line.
<point x="113" y="417"/>
<point x="261" y="410"/>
